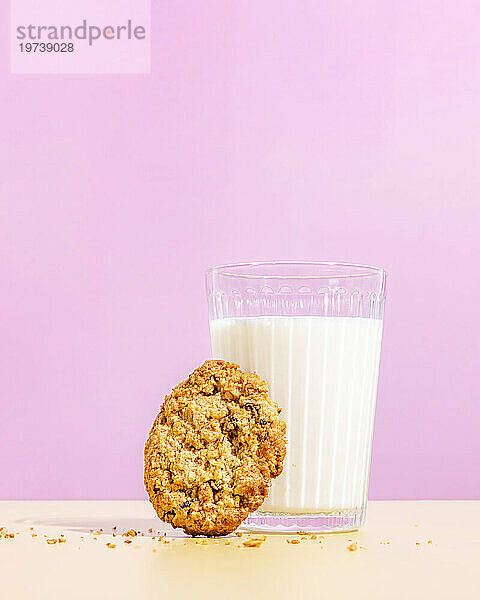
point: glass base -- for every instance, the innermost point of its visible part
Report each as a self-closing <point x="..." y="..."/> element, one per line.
<point x="347" y="519"/>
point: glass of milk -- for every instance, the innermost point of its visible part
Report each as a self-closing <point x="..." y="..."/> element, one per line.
<point x="313" y="331"/>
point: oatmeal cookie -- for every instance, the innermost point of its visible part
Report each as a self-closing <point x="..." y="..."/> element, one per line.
<point x="213" y="450"/>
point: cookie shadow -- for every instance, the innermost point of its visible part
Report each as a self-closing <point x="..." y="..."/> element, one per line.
<point x="143" y="527"/>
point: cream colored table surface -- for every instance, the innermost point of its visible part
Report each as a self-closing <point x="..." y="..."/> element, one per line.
<point x="394" y="557"/>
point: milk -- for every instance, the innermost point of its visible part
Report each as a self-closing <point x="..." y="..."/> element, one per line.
<point x="322" y="372"/>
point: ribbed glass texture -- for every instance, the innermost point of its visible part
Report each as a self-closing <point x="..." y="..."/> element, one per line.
<point x="313" y="331"/>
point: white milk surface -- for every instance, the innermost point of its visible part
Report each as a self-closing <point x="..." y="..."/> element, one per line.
<point x="322" y="372"/>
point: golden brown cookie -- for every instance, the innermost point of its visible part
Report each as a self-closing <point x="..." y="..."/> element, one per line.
<point x="213" y="450"/>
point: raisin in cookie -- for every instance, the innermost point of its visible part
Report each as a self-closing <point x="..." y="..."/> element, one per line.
<point x="213" y="450"/>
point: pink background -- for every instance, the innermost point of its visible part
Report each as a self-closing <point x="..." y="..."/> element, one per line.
<point x="305" y="130"/>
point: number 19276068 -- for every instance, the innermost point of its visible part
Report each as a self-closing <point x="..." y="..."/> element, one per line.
<point x="46" y="47"/>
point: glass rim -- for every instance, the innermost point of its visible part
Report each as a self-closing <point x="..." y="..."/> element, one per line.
<point x="368" y="270"/>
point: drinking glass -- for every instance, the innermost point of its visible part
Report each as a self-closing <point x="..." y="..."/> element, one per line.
<point x="313" y="331"/>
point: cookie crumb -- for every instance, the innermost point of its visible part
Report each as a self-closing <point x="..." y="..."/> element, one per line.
<point x="127" y="541"/>
<point x="130" y="532"/>
<point x="109" y="545"/>
<point x="51" y="541"/>
<point x="252" y="543"/>
<point x="352" y="547"/>
<point x="295" y="542"/>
